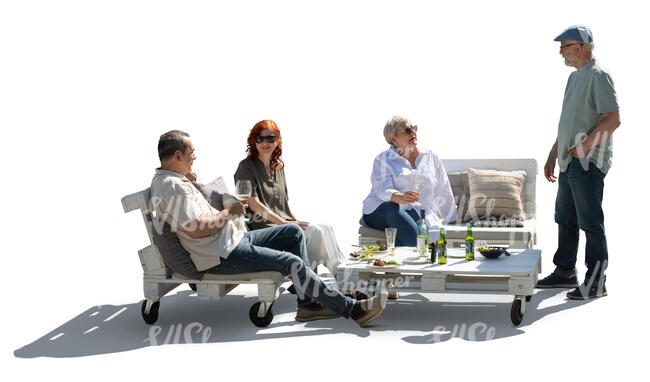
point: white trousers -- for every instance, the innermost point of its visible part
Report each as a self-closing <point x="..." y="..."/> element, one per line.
<point x="322" y="248"/>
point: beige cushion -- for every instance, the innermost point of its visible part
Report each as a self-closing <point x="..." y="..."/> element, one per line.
<point x="495" y="193"/>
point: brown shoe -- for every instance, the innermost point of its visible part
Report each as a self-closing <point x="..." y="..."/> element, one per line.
<point x="372" y="307"/>
<point x="393" y="295"/>
<point x="305" y="314"/>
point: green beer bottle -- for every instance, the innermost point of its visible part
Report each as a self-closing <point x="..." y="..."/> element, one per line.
<point x="442" y="248"/>
<point x="469" y="244"/>
<point x="422" y="236"/>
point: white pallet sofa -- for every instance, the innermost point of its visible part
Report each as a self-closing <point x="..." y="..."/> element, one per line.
<point x="515" y="237"/>
<point x="159" y="279"/>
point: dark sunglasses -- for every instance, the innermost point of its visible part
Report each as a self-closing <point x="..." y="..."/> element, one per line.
<point x="409" y="130"/>
<point x="267" y="138"/>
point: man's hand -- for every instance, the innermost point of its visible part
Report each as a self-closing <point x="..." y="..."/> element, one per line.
<point x="579" y="151"/>
<point x="549" y="169"/>
<point x="237" y="209"/>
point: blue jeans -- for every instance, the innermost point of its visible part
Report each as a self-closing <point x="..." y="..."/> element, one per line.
<point x="282" y="249"/>
<point x="579" y="207"/>
<point x="393" y="215"/>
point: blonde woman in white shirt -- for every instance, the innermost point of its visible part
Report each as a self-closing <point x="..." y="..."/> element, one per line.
<point x="392" y="201"/>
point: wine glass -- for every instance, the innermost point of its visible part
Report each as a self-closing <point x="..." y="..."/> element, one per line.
<point x="243" y="191"/>
<point x="418" y="183"/>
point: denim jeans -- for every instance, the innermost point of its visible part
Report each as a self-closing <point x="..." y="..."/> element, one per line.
<point x="578" y="206"/>
<point x="282" y="249"/>
<point x="393" y="215"/>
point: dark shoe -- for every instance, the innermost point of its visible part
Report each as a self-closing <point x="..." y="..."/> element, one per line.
<point x="291" y="289"/>
<point x="372" y="308"/>
<point x="558" y="280"/>
<point x="393" y="295"/>
<point x="584" y="293"/>
<point x="314" y="312"/>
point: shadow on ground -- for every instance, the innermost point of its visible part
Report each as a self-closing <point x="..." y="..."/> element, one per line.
<point x="185" y="319"/>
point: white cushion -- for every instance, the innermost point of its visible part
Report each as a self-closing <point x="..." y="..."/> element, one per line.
<point x="456" y="232"/>
<point x="270" y="275"/>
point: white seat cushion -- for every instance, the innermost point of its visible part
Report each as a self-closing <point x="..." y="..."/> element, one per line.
<point x="456" y="232"/>
<point x="523" y="234"/>
<point x="270" y="275"/>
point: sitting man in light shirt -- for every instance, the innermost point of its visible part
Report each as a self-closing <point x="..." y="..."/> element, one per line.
<point x="219" y="243"/>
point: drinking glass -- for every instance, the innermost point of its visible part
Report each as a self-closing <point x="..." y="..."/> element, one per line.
<point x="391" y="234"/>
<point x="243" y="191"/>
<point x="418" y="182"/>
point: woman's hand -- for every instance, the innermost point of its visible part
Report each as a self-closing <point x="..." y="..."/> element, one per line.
<point x="301" y="223"/>
<point x="406" y="198"/>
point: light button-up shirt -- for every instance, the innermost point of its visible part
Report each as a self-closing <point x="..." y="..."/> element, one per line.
<point x="393" y="173"/>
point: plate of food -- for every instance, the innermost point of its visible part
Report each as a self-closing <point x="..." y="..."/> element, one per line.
<point x="374" y="249"/>
<point x="362" y="256"/>
<point x="384" y="264"/>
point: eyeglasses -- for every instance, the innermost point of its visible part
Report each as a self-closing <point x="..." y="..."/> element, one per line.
<point x="267" y="138"/>
<point x="409" y="130"/>
<point x="568" y="45"/>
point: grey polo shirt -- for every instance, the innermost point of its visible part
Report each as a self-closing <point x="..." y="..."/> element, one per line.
<point x="589" y="93"/>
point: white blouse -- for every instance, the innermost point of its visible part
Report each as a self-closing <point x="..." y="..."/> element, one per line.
<point x="393" y="173"/>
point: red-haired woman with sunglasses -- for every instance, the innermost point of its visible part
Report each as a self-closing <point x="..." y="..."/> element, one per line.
<point x="269" y="202"/>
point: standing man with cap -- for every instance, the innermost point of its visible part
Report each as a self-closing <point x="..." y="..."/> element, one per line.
<point x="583" y="150"/>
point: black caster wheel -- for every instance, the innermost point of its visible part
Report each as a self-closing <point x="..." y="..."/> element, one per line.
<point x="260" y="321"/>
<point x="515" y="312"/>
<point x="192" y="286"/>
<point x="360" y="296"/>
<point x="528" y="298"/>
<point x="152" y="317"/>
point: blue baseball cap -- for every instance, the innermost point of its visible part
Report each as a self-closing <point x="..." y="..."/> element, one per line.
<point x="576" y="33"/>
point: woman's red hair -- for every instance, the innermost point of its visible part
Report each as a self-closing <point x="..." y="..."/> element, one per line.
<point x="251" y="149"/>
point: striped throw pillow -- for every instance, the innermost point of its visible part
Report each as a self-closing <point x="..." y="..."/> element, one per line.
<point x="495" y="193"/>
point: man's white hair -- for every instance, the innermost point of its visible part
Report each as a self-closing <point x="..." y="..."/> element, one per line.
<point x="391" y="126"/>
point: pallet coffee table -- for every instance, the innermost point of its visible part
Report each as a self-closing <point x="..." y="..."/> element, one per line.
<point x="510" y="275"/>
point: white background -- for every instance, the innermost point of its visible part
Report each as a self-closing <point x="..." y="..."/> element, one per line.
<point x="87" y="87"/>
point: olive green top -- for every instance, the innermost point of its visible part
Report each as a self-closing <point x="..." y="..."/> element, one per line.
<point x="272" y="192"/>
<point x="589" y="93"/>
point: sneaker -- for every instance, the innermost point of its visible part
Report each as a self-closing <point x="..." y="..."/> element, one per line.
<point x="584" y="293"/>
<point x="557" y="280"/>
<point x="372" y="308"/>
<point x="393" y="295"/>
<point x="314" y="312"/>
